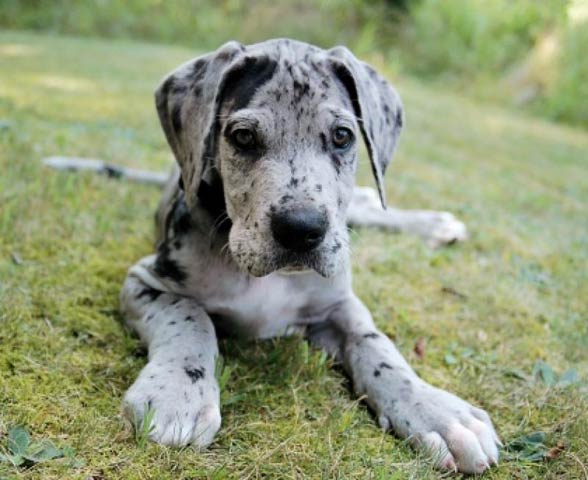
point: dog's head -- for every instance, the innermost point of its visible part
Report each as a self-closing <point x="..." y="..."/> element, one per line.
<point x="268" y="134"/>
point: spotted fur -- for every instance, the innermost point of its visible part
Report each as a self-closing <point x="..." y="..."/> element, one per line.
<point x="219" y="263"/>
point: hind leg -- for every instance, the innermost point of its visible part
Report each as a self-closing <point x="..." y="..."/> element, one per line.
<point x="435" y="228"/>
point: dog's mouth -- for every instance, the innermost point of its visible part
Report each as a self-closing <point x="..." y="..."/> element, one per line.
<point x="287" y="264"/>
<point x="295" y="264"/>
<point x="295" y="269"/>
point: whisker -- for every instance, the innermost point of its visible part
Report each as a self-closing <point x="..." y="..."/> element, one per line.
<point x="216" y="226"/>
<point x="225" y="249"/>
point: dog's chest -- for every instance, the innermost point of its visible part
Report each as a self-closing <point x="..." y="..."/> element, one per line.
<point x="269" y="306"/>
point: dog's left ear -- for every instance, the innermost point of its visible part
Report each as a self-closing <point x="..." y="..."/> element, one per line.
<point x="377" y="106"/>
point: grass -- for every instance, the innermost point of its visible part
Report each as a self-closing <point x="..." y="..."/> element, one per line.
<point x="487" y="311"/>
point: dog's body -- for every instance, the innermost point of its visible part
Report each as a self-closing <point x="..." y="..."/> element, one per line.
<point x="252" y="241"/>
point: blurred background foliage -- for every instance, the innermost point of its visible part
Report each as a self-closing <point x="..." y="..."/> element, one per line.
<point x="530" y="54"/>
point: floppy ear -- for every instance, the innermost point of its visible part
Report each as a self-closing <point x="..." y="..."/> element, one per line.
<point x="187" y="103"/>
<point x="377" y="106"/>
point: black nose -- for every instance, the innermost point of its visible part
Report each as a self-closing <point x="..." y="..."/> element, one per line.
<point x="299" y="229"/>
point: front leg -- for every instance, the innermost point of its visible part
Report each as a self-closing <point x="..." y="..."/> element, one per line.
<point x="178" y="383"/>
<point x="459" y="435"/>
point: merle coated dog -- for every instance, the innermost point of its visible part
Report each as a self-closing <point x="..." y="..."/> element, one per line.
<point x="252" y="240"/>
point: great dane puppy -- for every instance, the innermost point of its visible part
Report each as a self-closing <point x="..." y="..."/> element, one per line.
<point x="252" y="240"/>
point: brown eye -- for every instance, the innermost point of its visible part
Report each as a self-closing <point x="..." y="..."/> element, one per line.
<point x="342" y="137"/>
<point x="243" y="138"/>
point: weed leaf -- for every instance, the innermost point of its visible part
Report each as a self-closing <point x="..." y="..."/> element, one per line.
<point x="569" y="377"/>
<point x="144" y="427"/>
<point x="542" y="371"/>
<point x="450" y="359"/>
<point x="528" y="448"/>
<point x="42" y="452"/>
<point x="18" y="440"/>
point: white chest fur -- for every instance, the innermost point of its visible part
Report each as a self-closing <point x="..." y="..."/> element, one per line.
<point x="277" y="304"/>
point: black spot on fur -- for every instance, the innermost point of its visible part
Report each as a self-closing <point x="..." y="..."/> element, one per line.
<point x="371" y="335"/>
<point x="167" y="267"/>
<point x="194" y="374"/>
<point x="242" y="82"/>
<point x="324" y="145"/>
<point x="377" y="373"/>
<point x="337" y="161"/>
<point x="336" y="247"/>
<point x="163" y="93"/>
<point x="318" y="187"/>
<point x="399" y="120"/>
<point x="198" y="72"/>
<point x="385" y="365"/>
<point x="176" y="117"/>
<point x="285" y="198"/>
<point x="300" y="90"/>
<point x="181" y="219"/>
<point x="152" y="293"/>
<point x="226" y="55"/>
<point x="112" y="172"/>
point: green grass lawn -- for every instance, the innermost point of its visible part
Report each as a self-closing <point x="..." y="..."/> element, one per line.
<point x="488" y="310"/>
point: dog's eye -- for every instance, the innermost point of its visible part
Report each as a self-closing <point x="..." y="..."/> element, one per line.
<point x="243" y="138"/>
<point x="342" y="137"/>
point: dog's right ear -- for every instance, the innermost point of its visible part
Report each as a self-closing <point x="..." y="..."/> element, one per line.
<point x="186" y="102"/>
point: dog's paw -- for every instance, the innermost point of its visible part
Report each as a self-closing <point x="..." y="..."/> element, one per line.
<point x="184" y="402"/>
<point x="457" y="435"/>
<point x="440" y="228"/>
